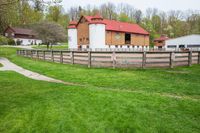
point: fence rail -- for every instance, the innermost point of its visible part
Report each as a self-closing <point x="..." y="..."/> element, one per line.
<point x="117" y="59"/>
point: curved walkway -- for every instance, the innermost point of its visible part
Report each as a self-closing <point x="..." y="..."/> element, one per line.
<point x="9" y="66"/>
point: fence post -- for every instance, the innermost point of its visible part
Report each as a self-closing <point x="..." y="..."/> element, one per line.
<point x="43" y="55"/>
<point x="37" y="54"/>
<point x="89" y="59"/>
<point x="190" y="58"/>
<point x="61" y="57"/>
<point x="198" y="57"/>
<point x="26" y="53"/>
<point x="72" y="57"/>
<point x="31" y="53"/>
<point x="172" y="58"/>
<point x="144" y="58"/>
<point x="114" y="59"/>
<point x="52" y="56"/>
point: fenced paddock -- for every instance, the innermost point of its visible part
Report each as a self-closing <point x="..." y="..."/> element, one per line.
<point x="117" y="59"/>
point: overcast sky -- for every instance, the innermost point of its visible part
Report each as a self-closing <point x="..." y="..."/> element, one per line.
<point x="164" y="5"/>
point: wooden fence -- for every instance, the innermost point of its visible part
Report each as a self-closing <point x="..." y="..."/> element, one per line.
<point x="116" y="59"/>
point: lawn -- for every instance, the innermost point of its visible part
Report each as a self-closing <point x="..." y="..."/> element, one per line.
<point x="112" y="100"/>
<point x="62" y="46"/>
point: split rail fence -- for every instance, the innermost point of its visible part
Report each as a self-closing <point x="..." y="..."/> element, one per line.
<point x="117" y="59"/>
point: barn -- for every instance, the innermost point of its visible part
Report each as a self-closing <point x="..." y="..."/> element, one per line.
<point x="189" y="42"/>
<point x="95" y="32"/>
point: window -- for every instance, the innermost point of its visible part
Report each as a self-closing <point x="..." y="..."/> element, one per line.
<point x="181" y="46"/>
<point x="193" y="46"/>
<point x="117" y="36"/>
<point x="127" y="38"/>
<point x="171" y="46"/>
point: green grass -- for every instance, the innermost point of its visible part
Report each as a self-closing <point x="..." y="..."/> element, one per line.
<point x="63" y="46"/>
<point x="120" y="100"/>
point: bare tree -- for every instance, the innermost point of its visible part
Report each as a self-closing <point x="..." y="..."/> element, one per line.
<point x="108" y="11"/>
<point x="138" y="16"/>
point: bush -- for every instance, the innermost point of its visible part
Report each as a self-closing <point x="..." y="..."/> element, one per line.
<point x="6" y="41"/>
<point x="11" y="41"/>
<point x="18" y="42"/>
<point x="3" y="40"/>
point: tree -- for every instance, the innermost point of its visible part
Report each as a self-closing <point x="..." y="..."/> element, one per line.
<point x="124" y="18"/>
<point x="54" y="13"/>
<point x="138" y="16"/>
<point x="8" y="14"/>
<point x="50" y="32"/>
<point x="108" y="11"/>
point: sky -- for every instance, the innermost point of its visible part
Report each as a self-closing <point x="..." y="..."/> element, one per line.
<point x="164" y="5"/>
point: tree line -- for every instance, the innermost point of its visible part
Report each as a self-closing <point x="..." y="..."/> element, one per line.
<point x="173" y="23"/>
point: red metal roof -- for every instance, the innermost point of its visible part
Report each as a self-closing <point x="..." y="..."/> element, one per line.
<point x="162" y="38"/>
<point x="113" y="25"/>
<point x="72" y="25"/>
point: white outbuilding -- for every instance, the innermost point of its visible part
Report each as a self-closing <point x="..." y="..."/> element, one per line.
<point x="189" y="41"/>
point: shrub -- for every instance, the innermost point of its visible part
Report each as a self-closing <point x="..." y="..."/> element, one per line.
<point x="11" y="41"/>
<point x="3" y="40"/>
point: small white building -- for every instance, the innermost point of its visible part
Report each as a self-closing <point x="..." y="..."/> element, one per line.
<point x="189" y="42"/>
<point x="22" y="36"/>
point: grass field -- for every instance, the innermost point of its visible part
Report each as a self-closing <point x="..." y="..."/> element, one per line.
<point x="63" y="46"/>
<point x="120" y="100"/>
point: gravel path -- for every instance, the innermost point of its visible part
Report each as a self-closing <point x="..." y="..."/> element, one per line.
<point x="9" y="66"/>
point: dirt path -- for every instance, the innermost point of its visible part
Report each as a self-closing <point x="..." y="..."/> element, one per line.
<point x="9" y="66"/>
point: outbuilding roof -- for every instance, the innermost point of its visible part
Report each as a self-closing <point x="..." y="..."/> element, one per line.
<point x="113" y="25"/>
<point x="162" y="38"/>
<point x="22" y="31"/>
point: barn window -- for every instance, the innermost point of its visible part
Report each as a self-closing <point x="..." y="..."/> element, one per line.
<point x="117" y="36"/>
<point x="127" y="38"/>
<point x="171" y="46"/>
<point x="181" y="46"/>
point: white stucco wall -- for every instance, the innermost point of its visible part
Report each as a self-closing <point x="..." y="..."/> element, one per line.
<point x="97" y="35"/>
<point x="28" y="41"/>
<point x="72" y="38"/>
<point x="185" y="40"/>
